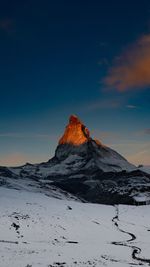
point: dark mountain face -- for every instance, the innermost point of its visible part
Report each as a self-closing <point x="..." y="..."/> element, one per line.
<point x="87" y="169"/>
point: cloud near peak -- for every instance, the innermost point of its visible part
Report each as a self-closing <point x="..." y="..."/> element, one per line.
<point x="132" y="69"/>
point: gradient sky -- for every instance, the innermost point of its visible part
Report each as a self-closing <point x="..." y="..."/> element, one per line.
<point x="62" y="57"/>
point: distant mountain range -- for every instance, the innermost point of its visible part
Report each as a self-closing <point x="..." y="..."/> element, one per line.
<point x="85" y="168"/>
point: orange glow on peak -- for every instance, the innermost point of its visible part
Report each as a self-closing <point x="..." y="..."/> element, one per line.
<point x="75" y="133"/>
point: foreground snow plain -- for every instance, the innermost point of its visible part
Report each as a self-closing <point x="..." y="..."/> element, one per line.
<point x="41" y="230"/>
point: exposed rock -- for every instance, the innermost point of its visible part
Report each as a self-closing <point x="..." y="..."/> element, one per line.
<point x="75" y="133"/>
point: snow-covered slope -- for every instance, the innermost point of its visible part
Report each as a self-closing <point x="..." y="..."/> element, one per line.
<point x="145" y="169"/>
<point x="41" y="230"/>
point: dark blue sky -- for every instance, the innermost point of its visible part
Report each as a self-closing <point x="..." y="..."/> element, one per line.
<point x="54" y="56"/>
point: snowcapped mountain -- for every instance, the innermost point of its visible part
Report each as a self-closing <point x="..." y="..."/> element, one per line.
<point x="77" y="147"/>
<point x="87" y="169"/>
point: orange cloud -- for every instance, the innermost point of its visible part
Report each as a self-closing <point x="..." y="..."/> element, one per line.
<point x="132" y="69"/>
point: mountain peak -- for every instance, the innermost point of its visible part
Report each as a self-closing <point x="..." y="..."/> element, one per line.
<point x="75" y="133"/>
<point x="74" y="119"/>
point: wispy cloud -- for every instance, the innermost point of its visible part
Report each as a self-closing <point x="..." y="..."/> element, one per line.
<point x="108" y="103"/>
<point x="131" y="106"/>
<point x="21" y="135"/>
<point x="131" y="70"/>
<point x="103" y="104"/>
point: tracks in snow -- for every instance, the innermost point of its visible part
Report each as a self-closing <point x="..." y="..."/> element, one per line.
<point x="136" y="251"/>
